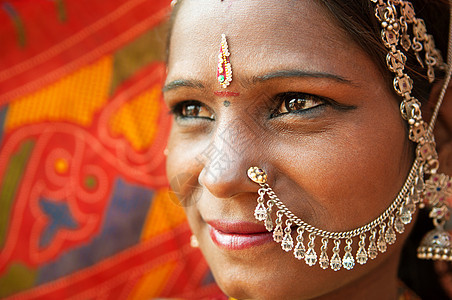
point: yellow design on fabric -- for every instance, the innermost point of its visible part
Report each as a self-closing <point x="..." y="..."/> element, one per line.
<point x="163" y="216"/>
<point x="61" y="165"/>
<point x="152" y="283"/>
<point x="74" y="98"/>
<point x="137" y="120"/>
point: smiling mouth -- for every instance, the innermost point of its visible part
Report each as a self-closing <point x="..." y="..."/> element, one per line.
<point x="238" y="235"/>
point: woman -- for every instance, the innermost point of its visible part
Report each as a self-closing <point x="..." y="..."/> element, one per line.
<point x="300" y="89"/>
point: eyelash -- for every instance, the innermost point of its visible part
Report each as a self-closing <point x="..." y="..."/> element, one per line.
<point x="183" y="109"/>
<point x="289" y="102"/>
<point x="294" y="102"/>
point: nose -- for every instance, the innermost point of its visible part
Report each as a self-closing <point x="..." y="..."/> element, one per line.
<point x="234" y="148"/>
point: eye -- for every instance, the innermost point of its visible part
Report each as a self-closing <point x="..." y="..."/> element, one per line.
<point x="192" y="109"/>
<point x="293" y="102"/>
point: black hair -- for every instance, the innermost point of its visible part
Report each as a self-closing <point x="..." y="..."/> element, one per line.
<point x="357" y="18"/>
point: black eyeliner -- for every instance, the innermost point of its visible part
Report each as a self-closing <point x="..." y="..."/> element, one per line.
<point x="176" y="110"/>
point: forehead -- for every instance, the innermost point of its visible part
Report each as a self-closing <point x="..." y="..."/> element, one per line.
<point x="261" y="34"/>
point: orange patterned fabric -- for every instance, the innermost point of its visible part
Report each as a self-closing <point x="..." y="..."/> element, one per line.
<point x="85" y="211"/>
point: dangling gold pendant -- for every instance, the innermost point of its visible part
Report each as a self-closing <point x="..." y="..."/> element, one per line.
<point x="437" y="244"/>
<point x="224" y="70"/>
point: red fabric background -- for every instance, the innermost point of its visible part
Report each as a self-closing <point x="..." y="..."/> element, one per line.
<point x="85" y="211"/>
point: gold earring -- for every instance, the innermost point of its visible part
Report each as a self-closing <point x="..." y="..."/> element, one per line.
<point x="194" y="241"/>
<point x="436" y="244"/>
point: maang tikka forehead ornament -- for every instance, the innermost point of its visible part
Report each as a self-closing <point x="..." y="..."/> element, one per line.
<point x="224" y="70"/>
<point x="423" y="186"/>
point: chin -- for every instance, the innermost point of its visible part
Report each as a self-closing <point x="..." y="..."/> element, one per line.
<point x="275" y="278"/>
<point x="274" y="274"/>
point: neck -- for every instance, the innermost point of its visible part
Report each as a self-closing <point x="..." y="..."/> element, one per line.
<point x="380" y="283"/>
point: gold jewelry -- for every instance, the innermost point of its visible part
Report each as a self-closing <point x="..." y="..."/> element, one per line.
<point x="437" y="187"/>
<point x="194" y="241"/>
<point x="401" y="210"/>
<point x="423" y="184"/>
<point x="224" y="70"/>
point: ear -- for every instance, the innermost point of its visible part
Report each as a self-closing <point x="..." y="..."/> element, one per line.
<point x="443" y="127"/>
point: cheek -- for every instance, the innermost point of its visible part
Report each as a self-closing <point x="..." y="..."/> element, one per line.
<point x="183" y="164"/>
<point x="355" y="170"/>
<point x="367" y="175"/>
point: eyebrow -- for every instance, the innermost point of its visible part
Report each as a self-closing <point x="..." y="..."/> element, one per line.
<point x="262" y="78"/>
<point x="299" y="73"/>
<point x="182" y="83"/>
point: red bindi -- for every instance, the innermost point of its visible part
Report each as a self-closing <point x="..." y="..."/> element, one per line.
<point x="226" y="94"/>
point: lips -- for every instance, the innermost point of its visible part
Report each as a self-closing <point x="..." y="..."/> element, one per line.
<point x="238" y="235"/>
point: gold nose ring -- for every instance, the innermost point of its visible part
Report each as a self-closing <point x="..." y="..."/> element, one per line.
<point x="257" y="175"/>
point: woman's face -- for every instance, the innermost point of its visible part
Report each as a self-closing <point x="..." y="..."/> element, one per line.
<point x="337" y="159"/>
